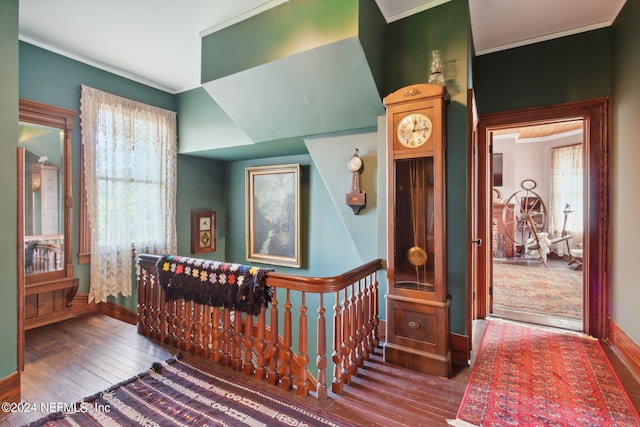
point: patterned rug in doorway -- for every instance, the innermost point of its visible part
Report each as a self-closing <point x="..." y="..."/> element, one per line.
<point x="538" y="290"/>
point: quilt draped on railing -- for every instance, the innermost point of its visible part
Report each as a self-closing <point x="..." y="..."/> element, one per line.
<point x="219" y="284"/>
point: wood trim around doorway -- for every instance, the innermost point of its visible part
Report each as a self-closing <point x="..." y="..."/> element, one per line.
<point x="595" y="114"/>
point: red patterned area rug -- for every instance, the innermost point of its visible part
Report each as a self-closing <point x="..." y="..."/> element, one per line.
<point x="538" y="290"/>
<point x="530" y="376"/>
<point x="174" y="393"/>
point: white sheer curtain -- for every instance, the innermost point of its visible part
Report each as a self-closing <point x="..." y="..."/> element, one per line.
<point x="130" y="175"/>
<point x="566" y="189"/>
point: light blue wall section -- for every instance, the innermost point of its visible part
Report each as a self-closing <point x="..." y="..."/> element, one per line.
<point x="367" y="230"/>
<point x="8" y="145"/>
<point x="330" y="155"/>
<point x="203" y="125"/>
<point x="327" y="249"/>
<point x="625" y="152"/>
<point x="327" y="246"/>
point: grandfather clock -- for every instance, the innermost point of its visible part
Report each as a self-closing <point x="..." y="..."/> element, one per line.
<point x="417" y="303"/>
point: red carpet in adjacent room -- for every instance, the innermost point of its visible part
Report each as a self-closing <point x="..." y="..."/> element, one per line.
<point x="530" y="376"/>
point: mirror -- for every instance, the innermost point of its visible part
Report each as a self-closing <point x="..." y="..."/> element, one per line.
<point x="45" y="139"/>
<point x="43" y="176"/>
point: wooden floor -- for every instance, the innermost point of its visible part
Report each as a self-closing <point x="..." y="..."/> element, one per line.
<point x="79" y="357"/>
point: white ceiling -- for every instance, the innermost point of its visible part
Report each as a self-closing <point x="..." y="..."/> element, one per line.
<point x="157" y="42"/>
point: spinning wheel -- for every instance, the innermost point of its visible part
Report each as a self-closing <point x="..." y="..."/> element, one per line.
<point x="515" y="215"/>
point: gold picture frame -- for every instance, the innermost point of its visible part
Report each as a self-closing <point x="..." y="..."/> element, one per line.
<point x="203" y="231"/>
<point x="273" y="215"/>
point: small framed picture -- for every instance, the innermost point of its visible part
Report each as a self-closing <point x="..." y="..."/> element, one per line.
<point x="203" y="231"/>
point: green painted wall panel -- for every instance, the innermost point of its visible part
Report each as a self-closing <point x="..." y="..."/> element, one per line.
<point x="285" y="30"/>
<point x="625" y="174"/>
<point x="8" y="183"/>
<point x="54" y="79"/>
<point x="568" y="69"/>
<point x="372" y="33"/>
<point x="410" y="42"/>
<point x="201" y="185"/>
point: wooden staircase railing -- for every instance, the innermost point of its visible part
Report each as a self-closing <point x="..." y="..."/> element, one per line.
<point x="264" y="346"/>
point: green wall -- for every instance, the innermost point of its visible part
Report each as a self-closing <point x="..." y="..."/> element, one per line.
<point x="410" y="42"/>
<point x="285" y="30"/>
<point x="53" y="79"/>
<point x="563" y="70"/>
<point x="596" y="64"/>
<point x="8" y="182"/>
<point x="625" y="174"/>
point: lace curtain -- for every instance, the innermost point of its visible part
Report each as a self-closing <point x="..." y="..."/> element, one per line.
<point x="130" y="179"/>
<point x="566" y="189"/>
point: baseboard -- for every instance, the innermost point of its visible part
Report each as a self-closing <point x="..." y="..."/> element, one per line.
<point x="10" y="391"/>
<point x="460" y="349"/>
<point x="81" y="305"/>
<point x="116" y="311"/>
<point x="626" y="347"/>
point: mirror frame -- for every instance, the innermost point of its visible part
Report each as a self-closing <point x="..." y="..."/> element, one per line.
<point x="59" y="118"/>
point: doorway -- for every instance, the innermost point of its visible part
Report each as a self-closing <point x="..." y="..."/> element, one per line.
<point x="537" y="217"/>
<point x="594" y="117"/>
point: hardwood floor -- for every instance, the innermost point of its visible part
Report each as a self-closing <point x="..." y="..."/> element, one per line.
<point x="79" y="357"/>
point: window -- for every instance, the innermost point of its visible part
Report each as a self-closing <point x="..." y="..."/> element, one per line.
<point x="129" y="183"/>
<point x="567" y="193"/>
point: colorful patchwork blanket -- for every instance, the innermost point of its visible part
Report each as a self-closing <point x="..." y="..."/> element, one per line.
<point x="219" y="284"/>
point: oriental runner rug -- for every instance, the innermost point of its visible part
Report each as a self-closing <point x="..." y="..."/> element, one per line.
<point x="530" y="376"/>
<point x="175" y="393"/>
<point x="538" y="290"/>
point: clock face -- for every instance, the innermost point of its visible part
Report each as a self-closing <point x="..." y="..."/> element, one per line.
<point x="205" y="223"/>
<point x="414" y="130"/>
<point x="355" y="163"/>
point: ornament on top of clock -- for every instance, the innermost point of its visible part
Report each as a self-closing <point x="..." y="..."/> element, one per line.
<point x="356" y="198"/>
<point x="436" y="69"/>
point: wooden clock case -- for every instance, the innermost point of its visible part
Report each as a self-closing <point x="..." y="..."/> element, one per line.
<point x="417" y="302"/>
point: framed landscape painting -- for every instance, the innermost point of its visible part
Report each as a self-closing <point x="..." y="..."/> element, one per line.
<point x="273" y="214"/>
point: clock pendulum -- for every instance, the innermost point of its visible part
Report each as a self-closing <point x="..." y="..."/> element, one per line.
<point x="416" y="254"/>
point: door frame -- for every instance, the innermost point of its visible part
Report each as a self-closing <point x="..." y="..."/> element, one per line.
<point x="595" y="114"/>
